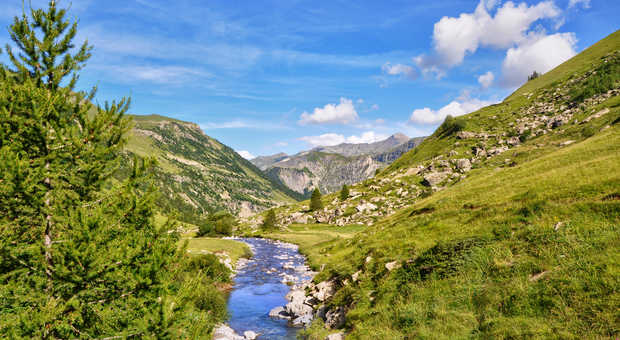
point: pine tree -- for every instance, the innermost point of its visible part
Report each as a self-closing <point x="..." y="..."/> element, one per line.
<point x="79" y="258"/>
<point x="270" y="220"/>
<point x="315" y="200"/>
<point x="344" y="193"/>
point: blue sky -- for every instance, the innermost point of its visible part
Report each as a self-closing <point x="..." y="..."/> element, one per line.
<point x="284" y="75"/>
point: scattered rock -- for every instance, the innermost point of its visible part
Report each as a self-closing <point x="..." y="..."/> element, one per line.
<point x="568" y="142"/>
<point x="224" y="332"/>
<point x="597" y="115"/>
<point x="392" y="265"/>
<point x="435" y="178"/>
<point x="335" y="318"/>
<point x="356" y="275"/>
<point x="465" y="135"/>
<point x="463" y="164"/>
<point x="336" y="336"/>
<point x="538" y="276"/>
<point x="558" y="225"/>
<point x="326" y="289"/>
<point x="250" y="335"/>
<point x="303" y="320"/>
<point x="280" y="313"/>
<point x="366" y="206"/>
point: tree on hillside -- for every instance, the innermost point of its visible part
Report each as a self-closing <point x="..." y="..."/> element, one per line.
<point x="344" y="192"/>
<point x="270" y="220"/>
<point x="533" y="76"/>
<point x="79" y="258"/>
<point x="315" y="200"/>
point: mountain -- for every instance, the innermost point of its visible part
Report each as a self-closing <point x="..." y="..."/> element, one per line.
<point x="329" y="167"/>
<point x="503" y="224"/>
<point x="264" y="162"/>
<point x="196" y="174"/>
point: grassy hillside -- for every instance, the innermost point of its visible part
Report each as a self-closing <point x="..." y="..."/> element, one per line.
<point x="519" y="241"/>
<point x="196" y="174"/>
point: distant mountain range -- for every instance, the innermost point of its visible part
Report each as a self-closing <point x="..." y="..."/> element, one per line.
<point x="330" y="167"/>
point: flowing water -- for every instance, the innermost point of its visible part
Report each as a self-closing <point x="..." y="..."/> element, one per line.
<point x="260" y="286"/>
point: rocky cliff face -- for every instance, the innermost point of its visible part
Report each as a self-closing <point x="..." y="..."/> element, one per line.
<point x="196" y="174"/>
<point x="328" y="168"/>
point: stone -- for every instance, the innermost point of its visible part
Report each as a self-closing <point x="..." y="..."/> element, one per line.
<point x="435" y="178"/>
<point x="335" y="318"/>
<point x="279" y="313"/>
<point x="326" y="290"/>
<point x="321" y="312"/>
<point x="224" y="332"/>
<point x="597" y="115"/>
<point x="465" y="135"/>
<point x="463" y="164"/>
<point x="356" y="275"/>
<point x="299" y="218"/>
<point x="568" y="142"/>
<point x="250" y="335"/>
<point x="336" y="336"/>
<point x="498" y="150"/>
<point x="303" y="320"/>
<point x="297" y="305"/>
<point x="365" y="207"/>
<point x="392" y="265"/>
<point x="513" y="141"/>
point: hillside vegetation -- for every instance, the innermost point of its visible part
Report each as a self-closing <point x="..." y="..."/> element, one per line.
<point x="197" y="175"/>
<point x="509" y="228"/>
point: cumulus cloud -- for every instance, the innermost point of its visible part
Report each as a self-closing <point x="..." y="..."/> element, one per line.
<point x="584" y="3"/>
<point x="453" y="38"/>
<point x="486" y="80"/>
<point x="457" y="107"/>
<point x="246" y="154"/>
<point x="331" y="139"/>
<point x="342" y="113"/>
<point x="399" y="70"/>
<point x="539" y="53"/>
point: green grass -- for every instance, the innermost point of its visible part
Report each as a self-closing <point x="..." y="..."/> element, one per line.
<point x="234" y="249"/>
<point x="315" y="240"/>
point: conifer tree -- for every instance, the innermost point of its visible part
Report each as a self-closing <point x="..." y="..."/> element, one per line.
<point x="315" y="200"/>
<point x="78" y="258"/>
<point x="270" y="220"/>
<point x="344" y="192"/>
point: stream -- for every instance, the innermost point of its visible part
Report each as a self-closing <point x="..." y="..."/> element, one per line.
<point x="261" y="285"/>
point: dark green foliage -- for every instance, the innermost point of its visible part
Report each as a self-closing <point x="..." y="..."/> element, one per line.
<point x="315" y="201"/>
<point x="450" y="126"/>
<point x="79" y="258"/>
<point x="525" y="136"/>
<point x="344" y="193"/>
<point x="588" y="131"/>
<point x="533" y="76"/>
<point x="603" y="79"/>
<point x="220" y="223"/>
<point x="270" y="220"/>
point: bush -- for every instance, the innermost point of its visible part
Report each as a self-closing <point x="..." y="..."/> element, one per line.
<point x="588" y="132"/>
<point x="219" y="223"/>
<point x="451" y="126"/>
<point x="533" y="76"/>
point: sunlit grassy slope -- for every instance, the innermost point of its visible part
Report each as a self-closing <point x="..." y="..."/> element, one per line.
<point x="528" y="248"/>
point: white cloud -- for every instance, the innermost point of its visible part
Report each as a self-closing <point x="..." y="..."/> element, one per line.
<point x="584" y="3"/>
<point x="331" y="139"/>
<point x="453" y="38"/>
<point x="399" y="69"/>
<point x="540" y="53"/>
<point x="374" y="107"/>
<point x="243" y="124"/>
<point x="327" y="139"/>
<point x="246" y="154"/>
<point x="486" y="80"/>
<point x="342" y="113"/>
<point x="157" y="74"/>
<point x="457" y="107"/>
<point x="366" y="137"/>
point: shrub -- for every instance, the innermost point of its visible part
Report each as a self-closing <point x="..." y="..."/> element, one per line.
<point x="451" y="126"/>
<point x="219" y="223"/>
<point x="533" y="76"/>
